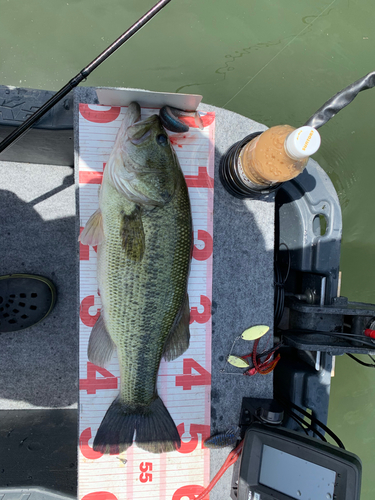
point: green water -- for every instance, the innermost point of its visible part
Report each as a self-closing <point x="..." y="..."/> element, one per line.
<point x="273" y="61"/>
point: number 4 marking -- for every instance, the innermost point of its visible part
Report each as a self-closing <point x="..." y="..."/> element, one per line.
<point x="92" y="383"/>
<point x="187" y="380"/>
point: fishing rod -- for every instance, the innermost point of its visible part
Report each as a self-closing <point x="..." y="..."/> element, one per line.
<point x="82" y="75"/>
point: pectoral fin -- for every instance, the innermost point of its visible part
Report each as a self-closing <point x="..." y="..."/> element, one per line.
<point x="132" y="235"/>
<point x="101" y="346"/>
<point x="93" y="233"/>
<point x="179" y="336"/>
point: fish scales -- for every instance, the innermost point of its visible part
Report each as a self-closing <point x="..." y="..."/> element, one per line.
<point x="143" y="231"/>
<point x="141" y="299"/>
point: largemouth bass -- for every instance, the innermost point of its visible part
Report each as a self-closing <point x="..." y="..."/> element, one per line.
<point x="143" y="230"/>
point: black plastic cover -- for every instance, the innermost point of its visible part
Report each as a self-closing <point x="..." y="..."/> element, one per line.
<point x="346" y="466"/>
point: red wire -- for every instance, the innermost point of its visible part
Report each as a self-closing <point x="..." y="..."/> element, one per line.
<point x="265" y="366"/>
<point x="231" y="459"/>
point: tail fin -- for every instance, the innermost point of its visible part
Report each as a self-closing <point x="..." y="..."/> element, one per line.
<point x="155" y="430"/>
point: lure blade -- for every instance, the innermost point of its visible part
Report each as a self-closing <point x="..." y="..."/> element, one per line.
<point x="255" y="332"/>
<point x="238" y="362"/>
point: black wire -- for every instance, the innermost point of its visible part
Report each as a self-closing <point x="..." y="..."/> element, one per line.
<point x="292" y="415"/>
<point x="309" y="426"/>
<point x="370" y="365"/>
<point x="269" y="351"/>
<point x="279" y="283"/>
<point x="331" y="107"/>
<point x="283" y="281"/>
<point x="313" y="419"/>
<point x="279" y="296"/>
<point x="344" y="336"/>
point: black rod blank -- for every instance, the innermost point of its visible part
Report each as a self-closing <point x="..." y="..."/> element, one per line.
<point x="82" y="75"/>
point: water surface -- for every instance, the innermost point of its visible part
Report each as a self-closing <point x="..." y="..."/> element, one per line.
<point x="275" y="62"/>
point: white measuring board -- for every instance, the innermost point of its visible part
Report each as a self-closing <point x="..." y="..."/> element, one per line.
<point x="183" y="384"/>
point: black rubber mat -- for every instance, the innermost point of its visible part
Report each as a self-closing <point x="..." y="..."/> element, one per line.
<point x="24" y="301"/>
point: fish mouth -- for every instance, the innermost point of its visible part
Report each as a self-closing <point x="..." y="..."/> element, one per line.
<point x="141" y="130"/>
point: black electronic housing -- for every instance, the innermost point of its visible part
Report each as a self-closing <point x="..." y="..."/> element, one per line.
<point x="346" y="465"/>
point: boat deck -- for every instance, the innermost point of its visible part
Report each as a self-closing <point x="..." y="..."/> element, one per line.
<point x="40" y="364"/>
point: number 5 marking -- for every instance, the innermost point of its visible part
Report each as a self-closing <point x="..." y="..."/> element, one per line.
<point x="144" y="467"/>
<point x="195" y="429"/>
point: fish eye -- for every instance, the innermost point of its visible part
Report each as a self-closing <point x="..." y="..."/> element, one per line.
<point x="162" y="139"/>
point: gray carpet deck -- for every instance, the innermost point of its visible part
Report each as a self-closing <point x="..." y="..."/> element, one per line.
<point x="39" y="366"/>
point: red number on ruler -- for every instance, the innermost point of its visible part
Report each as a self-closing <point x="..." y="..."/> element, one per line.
<point x="84" y="314"/>
<point x="195" y="429"/>
<point x="90" y="177"/>
<point x="100" y="495"/>
<point x="187" y="380"/>
<point x="86" y="450"/>
<point x="84" y="250"/>
<point x="202" y="180"/>
<point x="205" y="315"/>
<point x="191" y="491"/>
<point x="91" y="384"/>
<point x="144" y="467"/>
<point x="206" y="252"/>
<point x="99" y="116"/>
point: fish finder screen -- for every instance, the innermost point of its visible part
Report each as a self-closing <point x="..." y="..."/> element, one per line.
<point x="295" y="477"/>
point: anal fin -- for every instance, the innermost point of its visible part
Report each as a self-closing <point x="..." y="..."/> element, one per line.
<point x="178" y="339"/>
<point x="101" y="346"/>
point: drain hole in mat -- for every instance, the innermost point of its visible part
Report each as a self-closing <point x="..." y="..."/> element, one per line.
<point x="24" y="316"/>
<point x="15" y="311"/>
<point x="22" y="304"/>
<point x="33" y="308"/>
<point x="12" y="296"/>
<point x="10" y="301"/>
<point x="33" y="295"/>
<point x="1" y="300"/>
<point x="6" y="305"/>
<point x="1" y="309"/>
<point x="23" y="295"/>
<point x="5" y="315"/>
<point x="12" y="321"/>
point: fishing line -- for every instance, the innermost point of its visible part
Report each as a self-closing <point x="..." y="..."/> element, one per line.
<point x="274" y="57"/>
<point x="226" y="361"/>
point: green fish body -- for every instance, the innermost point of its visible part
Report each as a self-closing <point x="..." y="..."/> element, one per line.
<point x="143" y="231"/>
